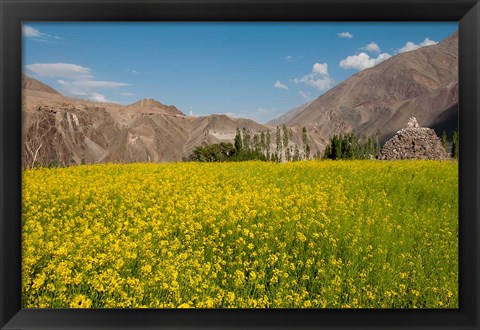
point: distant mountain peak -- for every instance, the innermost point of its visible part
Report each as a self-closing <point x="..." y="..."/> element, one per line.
<point x="152" y="105"/>
<point x="31" y="84"/>
<point x="148" y="102"/>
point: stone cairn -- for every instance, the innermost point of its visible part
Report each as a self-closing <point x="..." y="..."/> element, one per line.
<point x="414" y="142"/>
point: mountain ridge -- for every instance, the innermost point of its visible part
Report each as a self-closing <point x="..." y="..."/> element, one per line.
<point x="67" y="131"/>
<point x="380" y="91"/>
<point x="152" y="105"/>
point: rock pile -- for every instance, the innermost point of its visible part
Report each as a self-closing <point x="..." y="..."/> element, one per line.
<point x="414" y="142"/>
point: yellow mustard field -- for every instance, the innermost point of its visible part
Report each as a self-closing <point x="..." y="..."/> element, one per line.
<point x="312" y="234"/>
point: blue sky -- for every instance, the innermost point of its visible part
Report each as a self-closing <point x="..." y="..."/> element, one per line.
<point x="252" y="70"/>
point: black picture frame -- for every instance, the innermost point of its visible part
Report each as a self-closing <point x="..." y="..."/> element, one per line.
<point x="13" y="12"/>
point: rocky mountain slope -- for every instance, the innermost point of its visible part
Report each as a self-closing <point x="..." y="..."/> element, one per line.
<point x="422" y="83"/>
<point x="153" y="106"/>
<point x="58" y="130"/>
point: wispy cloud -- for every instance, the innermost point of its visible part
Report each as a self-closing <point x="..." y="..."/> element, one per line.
<point x="101" y="84"/>
<point x="76" y="80"/>
<point x="371" y="47"/>
<point x="31" y="32"/>
<point x="318" y="78"/>
<point x="97" y="97"/>
<point x="291" y="58"/>
<point x="280" y="85"/>
<point x="60" y="70"/>
<point x="362" y="61"/>
<point x="345" y="35"/>
<point x="35" y="34"/>
<point x="305" y="95"/>
<point x="412" y="46"/>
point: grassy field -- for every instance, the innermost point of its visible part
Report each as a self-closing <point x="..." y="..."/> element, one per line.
<point x="343" y="234"/>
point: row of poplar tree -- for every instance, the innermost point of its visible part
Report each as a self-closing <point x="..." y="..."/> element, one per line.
<point x="248" y="146"/>
<point x="451" y="147"/>
<point x="352" y="146"/>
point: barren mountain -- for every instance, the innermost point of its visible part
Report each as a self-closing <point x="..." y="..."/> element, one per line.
<point x="153" y="106"/>
<point x="30" y="84"/>
<point x="59" y="130"/>
<point x="421" y="83"/>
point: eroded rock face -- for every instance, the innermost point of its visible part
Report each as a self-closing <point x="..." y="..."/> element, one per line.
<point x="414" y="142"/>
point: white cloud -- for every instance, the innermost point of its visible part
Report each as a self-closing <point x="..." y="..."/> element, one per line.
<point x="127" y="94"/>
<point x="362" y="61"/>
<point x="371" y="47"/>
<point x="76" y="80"/>
<point x="88" y="88"/>
<point x="305" y="96"/>
<point x="70" y="89"/>
<point x="97" y="97"/>
<point x="31" y="32"/>
<point x="345" y="35"/>
<point x="279" y="84"/>
<point x="318" y="78"/>
<point x="312" y="80"/>
<point x="320" y="68"/>
<point x="97" y="84"/>
<point x="76" y="91"/>
<point x="288" y="58"/>
<point x="60" y="70"/>
<point x="412" y="46"/>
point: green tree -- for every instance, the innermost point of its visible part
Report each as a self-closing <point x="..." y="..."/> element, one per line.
<point x="337" y="142"/>
<point x="306" y="147"/>
<point x="268" y="142"/>
<point x="256" y="144"/>
<point x="369" y="147"/>
<point x="278" y="142"/>
<point x="238" y="141"/>
<point x="246" y="140"/>
<point x="214" y="153"/>
<point x="445" y="140"/>
<point x="296" y="154"/>
<point x="262" y="142"/>
<point x="285" y="136"/>
<point x="307" y="152"/>
<point x="377" y="143"/>
<point x="351" y="146"/>
<point x="348" y="146"/>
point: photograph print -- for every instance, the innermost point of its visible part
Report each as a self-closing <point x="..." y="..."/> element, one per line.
<point x="240" y="165"/>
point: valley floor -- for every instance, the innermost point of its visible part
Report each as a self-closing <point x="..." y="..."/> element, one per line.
<point x="322" y="234"/>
